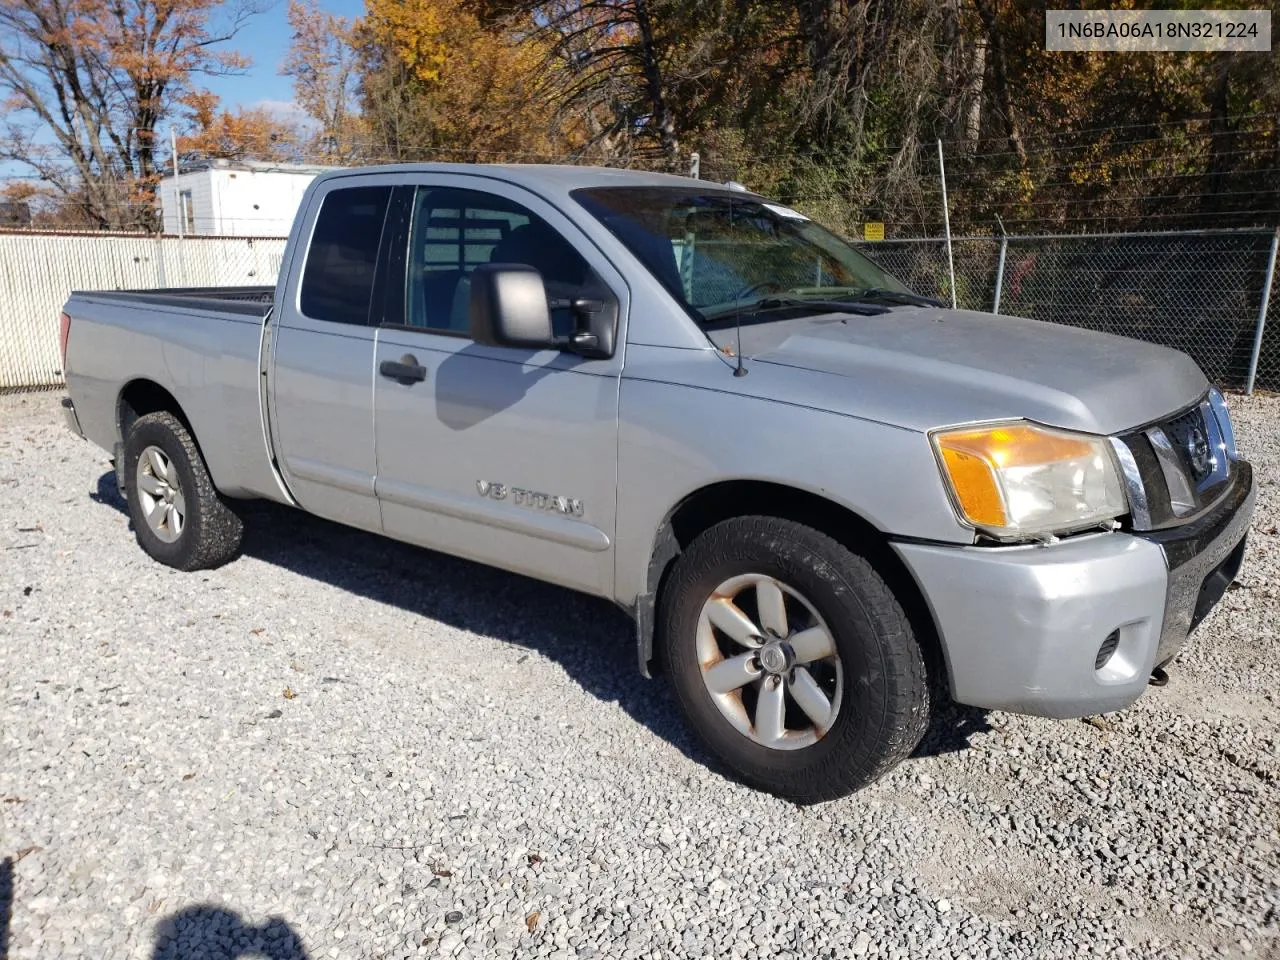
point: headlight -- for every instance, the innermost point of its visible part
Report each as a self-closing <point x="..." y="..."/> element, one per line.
<point x="1220" y="413"/>
<point x="1016" y="480"/>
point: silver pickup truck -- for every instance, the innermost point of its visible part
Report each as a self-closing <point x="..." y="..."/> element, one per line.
<point x="826" y="501"/>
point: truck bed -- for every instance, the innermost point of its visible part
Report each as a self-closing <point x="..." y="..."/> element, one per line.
<point x="201" y="345"/>
<point x="247" y="301"/>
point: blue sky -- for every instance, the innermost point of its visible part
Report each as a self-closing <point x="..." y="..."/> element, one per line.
<point x="265" y="40"/>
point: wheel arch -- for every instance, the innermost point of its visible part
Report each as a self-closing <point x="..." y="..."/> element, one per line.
<point x="709" y="505"/>
<point x="136" y="399"/>
<point x="140" y="397"/>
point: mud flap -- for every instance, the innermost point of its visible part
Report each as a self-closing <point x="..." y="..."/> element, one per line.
<point x="117" y="461"/>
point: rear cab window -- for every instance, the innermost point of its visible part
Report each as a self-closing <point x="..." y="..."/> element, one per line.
<point x="342" y="259"/>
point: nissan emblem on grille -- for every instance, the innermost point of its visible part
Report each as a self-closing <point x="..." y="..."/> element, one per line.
<point x="1198" y="452"/>
<point x="1191" y="438"/>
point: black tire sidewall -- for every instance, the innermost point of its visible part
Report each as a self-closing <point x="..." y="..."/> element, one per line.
<point x="160" y="432"/>
<point x="872" y="636"/>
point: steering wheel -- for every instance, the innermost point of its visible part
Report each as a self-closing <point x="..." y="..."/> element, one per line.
<point x="761" y="287"/>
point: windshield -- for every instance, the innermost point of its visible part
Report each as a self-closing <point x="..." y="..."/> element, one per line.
<point x="720" y="252"/>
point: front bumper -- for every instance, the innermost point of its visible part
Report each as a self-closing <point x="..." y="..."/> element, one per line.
<point x="1021" y="626"/>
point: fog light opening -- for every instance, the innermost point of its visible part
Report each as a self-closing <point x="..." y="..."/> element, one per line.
<point x="1107" y="650"/>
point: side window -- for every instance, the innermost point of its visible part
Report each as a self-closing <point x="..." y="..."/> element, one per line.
<point x="454" y="231"/>
<point x="337" y="283"/>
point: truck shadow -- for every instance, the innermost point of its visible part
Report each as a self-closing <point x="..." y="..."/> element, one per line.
<point x="6" y="903"/>
<point x="590" y="638"/>
<point x="217" y="933"/>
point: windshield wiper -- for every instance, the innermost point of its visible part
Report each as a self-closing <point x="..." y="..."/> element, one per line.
<point x="768" y="304"/>
<point x="896" y="296"/>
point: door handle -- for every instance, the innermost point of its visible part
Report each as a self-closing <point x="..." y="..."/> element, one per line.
<point x="406" y="370"/>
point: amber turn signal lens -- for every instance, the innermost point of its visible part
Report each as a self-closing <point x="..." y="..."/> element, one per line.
<point x="1019" y="478"/>
<point x="975" y="485"/>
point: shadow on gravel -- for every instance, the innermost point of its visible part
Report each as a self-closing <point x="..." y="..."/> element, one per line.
<point x="950" y="728"/>
<point x="216" y="933"/>
<point x="590" y="638"/>
<point x="6" y="903"/>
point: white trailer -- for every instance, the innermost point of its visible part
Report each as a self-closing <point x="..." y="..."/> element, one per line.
<point x="233" y="198"/>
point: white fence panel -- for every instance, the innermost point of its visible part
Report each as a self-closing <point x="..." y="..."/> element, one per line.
<point x="38" y="271"/>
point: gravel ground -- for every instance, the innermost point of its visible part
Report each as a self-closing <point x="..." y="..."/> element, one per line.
<point x="341" y="747"/>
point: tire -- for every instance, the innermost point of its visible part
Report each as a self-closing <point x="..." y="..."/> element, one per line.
<point x="875" y="684"/>
<point x="204" y="532"/>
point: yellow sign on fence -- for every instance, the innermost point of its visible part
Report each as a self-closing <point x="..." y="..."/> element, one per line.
<point x="873" y="231"/>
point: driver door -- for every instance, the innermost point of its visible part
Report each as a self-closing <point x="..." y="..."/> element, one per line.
<point x="503" y="455"/>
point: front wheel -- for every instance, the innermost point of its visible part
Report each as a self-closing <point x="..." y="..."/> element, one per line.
<point x="178" y="516"/>
<point x="791" y="659"/>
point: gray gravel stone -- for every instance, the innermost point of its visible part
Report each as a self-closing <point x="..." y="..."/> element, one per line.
<point x="463" y="740"/>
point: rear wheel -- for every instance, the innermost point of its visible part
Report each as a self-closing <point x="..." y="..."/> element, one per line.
<point x="178" y="516"/>
<point x="792" y="659"/>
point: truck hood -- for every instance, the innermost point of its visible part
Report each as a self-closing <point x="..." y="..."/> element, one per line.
<point x="922" y="368"/>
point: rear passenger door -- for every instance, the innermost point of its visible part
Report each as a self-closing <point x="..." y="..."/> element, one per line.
<point x="321" y="374"/>
<point x="500" y="454"/>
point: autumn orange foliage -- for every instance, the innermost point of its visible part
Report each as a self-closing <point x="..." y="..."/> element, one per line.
<point x="446" y="80"/>
<point x="244" y="134"/>
<point x="85" y="84"/>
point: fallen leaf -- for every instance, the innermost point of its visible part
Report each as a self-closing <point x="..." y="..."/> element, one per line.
<point x="534" y="859"/>
<point x="258" y="631"/>
<point x="1097" y="722"/>
<point x="188" y="776"/>
<point x="288" y="693"/>
<point x="531" y="920"/>
<point x="15" y="800"/>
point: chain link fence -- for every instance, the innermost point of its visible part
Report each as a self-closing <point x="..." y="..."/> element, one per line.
<point x="1201" y="292"/>
<point x="38" y="271"/>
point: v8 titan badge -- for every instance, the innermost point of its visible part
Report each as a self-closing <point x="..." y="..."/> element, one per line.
<point x="532" y="499"/>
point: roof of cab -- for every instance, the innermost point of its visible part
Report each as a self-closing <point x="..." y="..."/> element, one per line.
<point x="560" y="178"/>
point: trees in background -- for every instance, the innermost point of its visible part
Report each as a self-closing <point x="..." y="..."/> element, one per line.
<point x="84" y="85"/>
<point x="246" y="133"/>
<point x="439" y="79"/>
<point x="831" y="104"/>
<point x="323" y="61"/>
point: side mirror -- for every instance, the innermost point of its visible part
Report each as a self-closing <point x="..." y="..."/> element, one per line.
<point x="509" y="308"/>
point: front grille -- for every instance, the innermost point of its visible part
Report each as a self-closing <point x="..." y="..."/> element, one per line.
<point x="1189" y="436"/>
<point x="1176" y="468"/>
